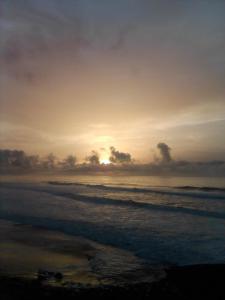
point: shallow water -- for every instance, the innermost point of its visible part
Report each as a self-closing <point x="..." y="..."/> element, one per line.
<point x="27" y="251"/>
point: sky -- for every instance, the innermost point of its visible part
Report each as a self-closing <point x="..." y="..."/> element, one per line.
<point x="83" y="75"/>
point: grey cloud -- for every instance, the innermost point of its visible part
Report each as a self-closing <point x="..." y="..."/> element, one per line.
<point x="37" y="36"/>
<point x="17" y="158"/>
<point x="50" y="161"/>
<point x="14" y="160"/>
<point x="119" y="157"/>
<point x="165" y="152"/>
<point x="93" y="158"/>
<point x="69" y="162"/>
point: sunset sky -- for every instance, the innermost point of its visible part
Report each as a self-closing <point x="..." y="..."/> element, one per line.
<point x="82" y="75"/>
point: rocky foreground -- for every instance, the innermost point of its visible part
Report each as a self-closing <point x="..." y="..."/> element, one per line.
<point x="190" y="282"/>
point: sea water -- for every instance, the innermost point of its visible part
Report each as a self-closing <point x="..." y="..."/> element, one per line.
<point x="162" y="220"/>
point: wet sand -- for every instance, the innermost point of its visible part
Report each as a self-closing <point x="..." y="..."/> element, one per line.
<point x="26" y="251"/>
<point x="91" y="270"/>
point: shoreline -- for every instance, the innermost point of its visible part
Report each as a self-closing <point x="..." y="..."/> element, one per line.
<point x="31" y="252"/>
<point x="37" y="263"/>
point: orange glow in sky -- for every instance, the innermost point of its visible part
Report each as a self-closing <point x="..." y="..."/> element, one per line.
<point x="73" y="80"/>
<point x="105" y="161"/>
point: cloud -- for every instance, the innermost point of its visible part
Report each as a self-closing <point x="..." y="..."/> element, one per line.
<point x="69" y="162"/>
<point x="34" y="35"/>
<point x="17" y="158"/>
<point x="159" y="62"/>
<point x="14" y="160"/>
<point x="18" y="135"/>
<point x="188" y="168"/>
<point x="93" y="158"/>
<point x="165" y="152"/>
<point x="119" y="157"/>
<point x="50" y="161"/>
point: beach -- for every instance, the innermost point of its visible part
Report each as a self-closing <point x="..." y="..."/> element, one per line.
<point x="29" y="252"/>
<point x="112" y="156"/>
<point x="67" y="239"/>
<point x="32" y="259"/>
<point x="36" y="261"/>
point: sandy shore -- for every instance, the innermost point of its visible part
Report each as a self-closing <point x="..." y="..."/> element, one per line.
<point x="36" y="263"/>
<point x="29" y="252"/>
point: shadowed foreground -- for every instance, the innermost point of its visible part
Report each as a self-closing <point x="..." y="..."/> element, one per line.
<point x="180" y="283"/>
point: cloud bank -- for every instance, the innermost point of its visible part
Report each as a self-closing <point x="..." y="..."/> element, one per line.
<point x="16" y="160"/>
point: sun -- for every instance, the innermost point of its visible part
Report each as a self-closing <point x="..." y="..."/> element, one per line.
<point x="104" y="161"/>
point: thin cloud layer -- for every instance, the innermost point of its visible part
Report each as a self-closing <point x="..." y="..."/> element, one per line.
<point x="131" y="65"/>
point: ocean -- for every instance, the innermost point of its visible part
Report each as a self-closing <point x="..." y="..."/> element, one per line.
<point x="161" y="220"/>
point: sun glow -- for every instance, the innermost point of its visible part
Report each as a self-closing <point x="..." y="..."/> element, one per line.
<point x="105" y="161"/>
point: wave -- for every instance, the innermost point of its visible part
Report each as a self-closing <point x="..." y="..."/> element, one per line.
<point x="152" y="231"/>
<point x="102" y="233"/>
<point x="202" y="188"/>
<point x="96" y="200"/>
<point x="190" y="191"/>
<point x="131" y="203"/>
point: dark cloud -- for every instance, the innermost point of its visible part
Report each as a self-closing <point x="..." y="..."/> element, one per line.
<point x="34" y="34"/>
<point x="17" y="158"/>
<point x="119" y="157"/>
<point x="69" y="162"/>
<point x="14" y="160"/>
<point x="49" y="162"/>
<point x="93" y="158"/>
<point x="165" y="152"/>
<point x="24" y="58"/>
